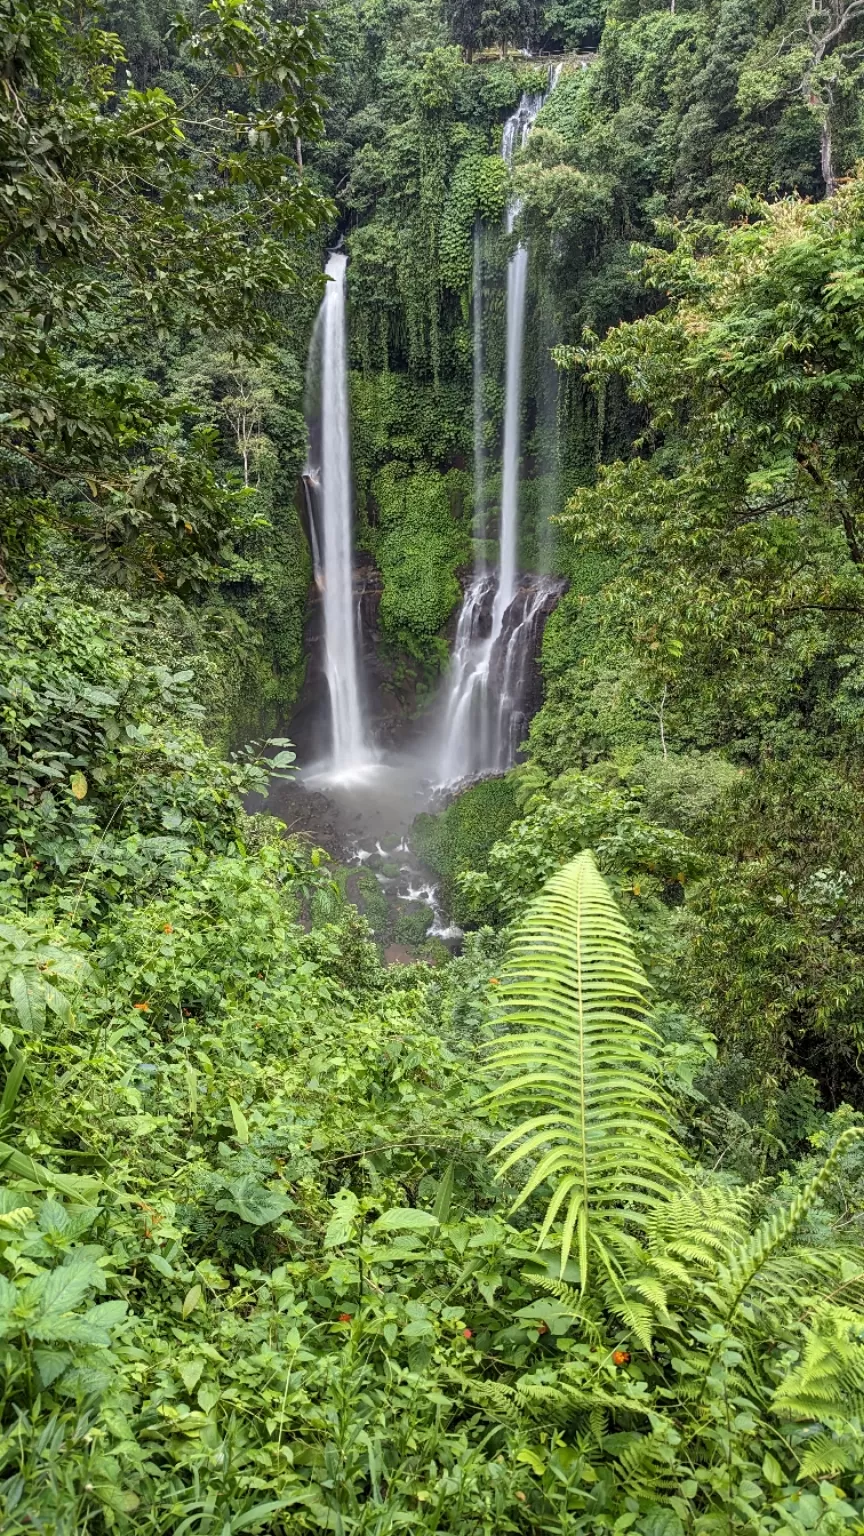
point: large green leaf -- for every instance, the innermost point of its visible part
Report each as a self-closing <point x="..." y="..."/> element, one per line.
<point x="405" y="1218"/>
<point x="29" y="999"/>
<point x="253" y="1202"/>
<point x="578" y="1054"/>
<point x="62" y="1289"/>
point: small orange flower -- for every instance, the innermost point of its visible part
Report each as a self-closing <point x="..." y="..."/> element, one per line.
<point x="345" y="1317"/>
<point x="467" y="1334"/>
<point x="621" y="1357"/>
<point x="494" y="982"/>
<point x="166" y="928"/>
<point x="141" y="1007"/>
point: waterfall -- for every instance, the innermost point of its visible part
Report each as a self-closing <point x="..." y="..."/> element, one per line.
<point x="525" y="616"/>
<point x="467" y="732"/>
<point x="479" y="417"/>
<point x="498" y="624"/>
<point x="331" y="527"/>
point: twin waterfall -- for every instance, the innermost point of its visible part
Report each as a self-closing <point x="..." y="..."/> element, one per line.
<point x="482" y="722"/>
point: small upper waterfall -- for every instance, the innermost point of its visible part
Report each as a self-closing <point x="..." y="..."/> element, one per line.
<point x="494" y="647"/>
<point x="331" y="525"/>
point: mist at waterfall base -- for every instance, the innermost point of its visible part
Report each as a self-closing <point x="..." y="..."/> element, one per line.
<point x="356" y="800"/>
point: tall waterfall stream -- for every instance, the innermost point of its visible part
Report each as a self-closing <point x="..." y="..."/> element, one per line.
<point x="358" y="801"/>
<point x="498" y="624"/>
<point x="332" y="526"/>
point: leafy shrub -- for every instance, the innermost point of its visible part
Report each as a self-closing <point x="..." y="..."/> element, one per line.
<point x="647" y="861"/>
<point x="461" y="836"/>
<point x="106" y="779"/>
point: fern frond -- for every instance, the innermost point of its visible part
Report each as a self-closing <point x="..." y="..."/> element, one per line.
<point x="494" y="1397"/>
<point x="746" y="1262"/>
<point x="700" y="1227"/>
<point x="829" y="1455"/>
<point x="646" y="1467"/>
<point x="576" y="1305"/>
<point x="827" y="1386"/>
<point x="579" y="1053"/>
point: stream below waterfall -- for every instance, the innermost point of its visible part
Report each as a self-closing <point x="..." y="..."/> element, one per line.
<point x="363" y="818"/>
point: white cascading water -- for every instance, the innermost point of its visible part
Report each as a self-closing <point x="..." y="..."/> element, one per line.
<point x="467" y="730"/>
<point x="479" y="727"/>
<point x="333" y="538"/>
<point x="516" y="131"/>
<point x="530" y="606"/>
<point x="479" y="409"/>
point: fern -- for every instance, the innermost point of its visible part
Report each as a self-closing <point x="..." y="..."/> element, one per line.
<point x="576" y="1304"/>
<point x="580" y="1059"/>
<point x="829" y="1455"/>
<point x="827" y="1386"/>
<point x="648" y="1466"/>
<point x="749" y="1258"/>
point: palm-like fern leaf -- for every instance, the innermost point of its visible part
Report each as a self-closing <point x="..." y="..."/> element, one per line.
<point x="578" y="1054"/>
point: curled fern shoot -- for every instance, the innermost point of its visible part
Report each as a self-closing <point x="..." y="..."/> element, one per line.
<point x="578" y="1054"/>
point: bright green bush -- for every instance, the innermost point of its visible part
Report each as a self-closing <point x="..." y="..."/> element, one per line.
<point x="648" y="862"/>
<point x="460" y="837"/>
<point x="106" y="779"/>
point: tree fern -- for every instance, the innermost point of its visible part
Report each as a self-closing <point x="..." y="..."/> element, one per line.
<point x="578" y="1054"/>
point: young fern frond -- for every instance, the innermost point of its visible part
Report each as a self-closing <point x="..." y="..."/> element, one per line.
<point x="749" y="1258"/>
<point x="578" y="1057"/>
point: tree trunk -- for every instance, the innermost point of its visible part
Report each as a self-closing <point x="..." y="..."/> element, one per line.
<point x="827" y="156"/>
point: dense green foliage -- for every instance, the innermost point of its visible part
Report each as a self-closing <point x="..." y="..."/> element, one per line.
<point x="566" y="1233"/>
<point x="460" y="837"/>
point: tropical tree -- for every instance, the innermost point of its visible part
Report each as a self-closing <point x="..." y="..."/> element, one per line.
<point x="123" y="214"/>
<point x="746" y="485"/>
<point x="832" y="53"/>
